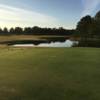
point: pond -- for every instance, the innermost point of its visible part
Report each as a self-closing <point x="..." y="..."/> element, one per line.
<point x="67" y="43"/>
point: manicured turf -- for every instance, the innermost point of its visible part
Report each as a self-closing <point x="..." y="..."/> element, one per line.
<point x="49" y="74"/>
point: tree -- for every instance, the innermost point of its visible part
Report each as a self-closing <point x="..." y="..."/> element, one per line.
<point x="11" y="31"/>
<point x="97" y="16"/>
<point x="18" y="30"/>
<point x="84" y="26"/>
<point x="5" y="31"/>
<point x="97" y="24"/>
<point x="1" y="31"/>
<point x="27" y="30"/>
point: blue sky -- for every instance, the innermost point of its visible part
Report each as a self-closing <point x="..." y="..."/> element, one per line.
<point x="45" y="13"/>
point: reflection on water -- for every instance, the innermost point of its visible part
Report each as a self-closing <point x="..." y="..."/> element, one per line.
<point x="67" y="43"/>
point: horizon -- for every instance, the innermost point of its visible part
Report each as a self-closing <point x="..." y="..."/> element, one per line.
<point x="53" y="13"/>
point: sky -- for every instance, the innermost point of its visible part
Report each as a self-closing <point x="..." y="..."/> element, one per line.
<point x="45" y="13"/>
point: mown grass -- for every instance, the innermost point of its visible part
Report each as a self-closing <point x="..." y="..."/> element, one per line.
<point x="49" y="73"/>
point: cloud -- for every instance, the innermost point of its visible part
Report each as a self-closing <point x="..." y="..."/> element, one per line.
<point x="89" y="6"/>
<point x="12" y="17"/>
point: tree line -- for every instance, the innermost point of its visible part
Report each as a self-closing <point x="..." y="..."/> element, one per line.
<point x="88" y="29"/>
<point x="89" y="26"/>
<point x="35" y="31"/>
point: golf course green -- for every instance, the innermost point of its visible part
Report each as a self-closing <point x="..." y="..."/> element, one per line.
<point x="49" y="73"/>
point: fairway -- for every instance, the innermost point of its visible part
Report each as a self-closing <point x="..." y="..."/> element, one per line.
<point x="49" y="73"/>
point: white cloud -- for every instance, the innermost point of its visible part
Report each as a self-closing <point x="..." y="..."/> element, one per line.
<point x="12" y="17"/>
<point x="89" y="6"/>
